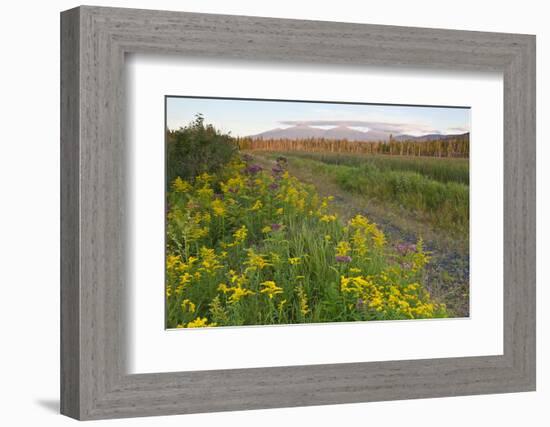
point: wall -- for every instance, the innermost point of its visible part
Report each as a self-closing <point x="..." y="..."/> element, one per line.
<point x="29" y="225"/>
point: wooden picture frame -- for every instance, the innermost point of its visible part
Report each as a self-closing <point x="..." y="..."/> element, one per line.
<point x="94" y="41"/>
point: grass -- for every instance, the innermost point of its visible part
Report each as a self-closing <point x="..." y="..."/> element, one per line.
<point x="439" y="169"/>
<point x="445" y="205"/>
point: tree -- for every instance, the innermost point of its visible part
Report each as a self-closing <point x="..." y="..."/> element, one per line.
<point x="197" y="148"/>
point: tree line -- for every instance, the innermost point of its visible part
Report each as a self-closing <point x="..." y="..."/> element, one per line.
<point x="456" y="146"/>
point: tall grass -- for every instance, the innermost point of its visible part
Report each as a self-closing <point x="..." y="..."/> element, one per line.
<point x="443" y="204"/>
<point x="440" y="169"/>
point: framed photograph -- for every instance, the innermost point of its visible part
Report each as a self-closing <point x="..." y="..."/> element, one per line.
<point x="262" y="213"/>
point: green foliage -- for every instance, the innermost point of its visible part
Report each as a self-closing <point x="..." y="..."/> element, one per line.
<point x="195" y="149"/>
<point x="248" y="246"/>
<point x="443" y="204"/>
<point x="439" y="169"/>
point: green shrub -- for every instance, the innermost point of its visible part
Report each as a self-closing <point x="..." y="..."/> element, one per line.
<point x="195" y="149"/>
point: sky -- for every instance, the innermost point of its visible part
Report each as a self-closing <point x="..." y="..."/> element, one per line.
<point x="250" y="117"/>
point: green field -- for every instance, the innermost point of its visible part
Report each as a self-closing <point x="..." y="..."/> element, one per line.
<point x="431" y="189"/>
<point x="439" y="169"/>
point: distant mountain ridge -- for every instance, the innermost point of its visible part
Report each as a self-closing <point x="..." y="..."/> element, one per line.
<point x="429" y="137"/>
<point x="344" y="132"/>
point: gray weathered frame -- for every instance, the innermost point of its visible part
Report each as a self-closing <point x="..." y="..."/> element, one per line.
<point x="94" y="41"/>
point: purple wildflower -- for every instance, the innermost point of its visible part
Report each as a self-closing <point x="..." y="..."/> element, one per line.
<point x="404" y="248"/>
<point x="276" y="227"/>
<point x="343" y="258"/>
<point x="253" y="169"/>
<point x="277" y="170"/>
<point x="273" y="186"/>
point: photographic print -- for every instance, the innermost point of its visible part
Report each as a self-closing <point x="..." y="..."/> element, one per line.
<point x="286" y="212"/>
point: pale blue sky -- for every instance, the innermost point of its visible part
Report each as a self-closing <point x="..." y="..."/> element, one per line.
<point x="246" y="117"/>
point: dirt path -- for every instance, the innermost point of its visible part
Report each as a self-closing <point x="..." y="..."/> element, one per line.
<point x="447" y="274"/>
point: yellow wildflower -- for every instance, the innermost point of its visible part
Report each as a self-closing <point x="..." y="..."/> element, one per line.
<point x="420" y="258"/>
<point x="328" y="218"/>
<point x="196" y="233"/>
<point x="205" y="178"/>
<point x="222" y="287"/>
<point x="185" y="278"/>
<point x="359" y="221"/>
<point x="378" y="237"/>
<point x="205" y="193"/>
<point x="302" y="300"/>
<point x="173" y="263"/>
<point x="360" y="243"/>
<point x="188" y="306"/>
<point x="233" y="184"/>
<point x="255" y="261"/>
<point x="181" y="186"/>
<point x="200" y="322"/>
<point x="237" y="292"/>
<point x="209" y="261"/>
<point x="205" y="217"/>
<point x="270" y="288"/>
<point x="238" y="279"/>
<point x="257" y="206"/>
<point x="325" y="201"/>
<point x="240" y="234"/>
<point x="342" y="248"/>
<point x="190" y="261"/>
<point x="218" y="207"/>
<point x="294" y="261"/>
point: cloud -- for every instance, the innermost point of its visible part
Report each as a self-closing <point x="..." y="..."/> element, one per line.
<point x="455" y="131"/>
<point x="324" y="127"/>
<point x="397" y="128"/>
<point x="360" y="128"/>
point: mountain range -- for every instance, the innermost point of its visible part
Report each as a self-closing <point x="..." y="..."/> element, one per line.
<point x="343" y="132"/>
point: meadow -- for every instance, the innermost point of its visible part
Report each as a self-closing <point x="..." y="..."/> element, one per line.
<point x="249" y="243"/>
<point x="446" y="169"/>
<point x="435" y="190"/>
